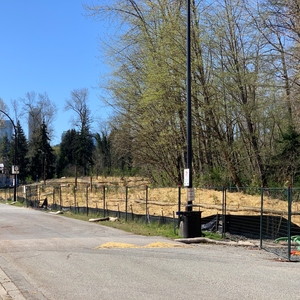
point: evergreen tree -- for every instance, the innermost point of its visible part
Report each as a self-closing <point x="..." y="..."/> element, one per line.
<point x="76" y="153"/>
<point x="43" y="158"/>
<point x="66" y="158"/>
<point x="47" y="152"/>
<point x="22" y="152"/>
<point x="84" y="147"/>
<point x="104" y="161"/>
<point x="285" y="165"/>
<point x="84" y="141"/>
<point x="5" y="153"/>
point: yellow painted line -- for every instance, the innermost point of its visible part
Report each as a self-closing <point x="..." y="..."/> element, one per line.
<point x="115" y="245"/>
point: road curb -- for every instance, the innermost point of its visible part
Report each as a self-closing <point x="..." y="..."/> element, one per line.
<point x="218" y="242"/>
<point x="8" y="290"/>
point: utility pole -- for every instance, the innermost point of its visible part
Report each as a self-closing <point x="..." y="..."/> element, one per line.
<point x="191" y="219"/>
<point x="189" y="175"/>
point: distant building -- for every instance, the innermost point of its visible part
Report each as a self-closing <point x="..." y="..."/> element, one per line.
<point x="6" y="128"/>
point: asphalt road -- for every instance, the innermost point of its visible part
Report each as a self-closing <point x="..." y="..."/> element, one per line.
<point x="46" y="256"/>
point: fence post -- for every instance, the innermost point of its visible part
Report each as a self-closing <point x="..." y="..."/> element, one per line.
<point x="26" y="200"/>
<point x="179" y="204"/>
<point x="60" y="198"/>
<point x="103" y="188"/>
<point x="87" y="200"/>
<point x="132" y="215"/>
<point x="38" y="192"/>
<point x="261" y="217"/>
<point x="146" y="203"/>
<point x="223" y="211"/>
<point x="289" y="220"/>
<point x="126" y="202"/>
<point x="75" y="199"/>
<point x="54" y="202"/>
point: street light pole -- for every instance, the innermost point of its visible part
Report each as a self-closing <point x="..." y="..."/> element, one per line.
<point x="15" y="154"/>
<point x="189" y="206"/>
<point x="191" y="219"/>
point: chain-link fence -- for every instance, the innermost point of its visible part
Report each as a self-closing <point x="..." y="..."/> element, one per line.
<point x="280" y="222"/>
<point x="125" y="201"/>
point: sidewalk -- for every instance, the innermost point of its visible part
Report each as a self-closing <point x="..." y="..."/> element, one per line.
<point x="8" y="290"/>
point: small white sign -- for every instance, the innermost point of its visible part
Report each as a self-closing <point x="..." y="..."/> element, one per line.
<point x="15" y="170"/>
<point x="186" y="177"/>
<point x="190" y="194"/>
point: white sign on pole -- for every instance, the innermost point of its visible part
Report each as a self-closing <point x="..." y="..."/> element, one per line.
<point x="186" y="177"/>
<point x="190" y="194"/>
<point x="15" y="170"/>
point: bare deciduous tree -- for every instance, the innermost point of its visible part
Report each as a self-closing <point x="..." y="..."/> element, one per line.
<point x="38" y="108"/>
<point x="78" y="104"/>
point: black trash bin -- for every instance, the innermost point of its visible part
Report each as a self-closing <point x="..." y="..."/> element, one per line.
<point x="191" y="224"/>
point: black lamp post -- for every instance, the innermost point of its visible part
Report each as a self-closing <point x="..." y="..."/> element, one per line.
<point x="191" y="219"/>
<point x="15" y="170"/>
<point x="189" y="206"/>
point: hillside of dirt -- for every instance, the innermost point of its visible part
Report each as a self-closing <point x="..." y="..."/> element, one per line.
<point x="111" y="193"/>
<point x="165" y="200"/>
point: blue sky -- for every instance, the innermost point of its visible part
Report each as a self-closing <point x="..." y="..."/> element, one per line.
<point x="49" y="46"/>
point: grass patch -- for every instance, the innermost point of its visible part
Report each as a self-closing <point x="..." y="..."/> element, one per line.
<point x="212" y="235"/>
<point x="137" y="227"/>
<point x="11" y="202"/>
<point x="141" y="228"/>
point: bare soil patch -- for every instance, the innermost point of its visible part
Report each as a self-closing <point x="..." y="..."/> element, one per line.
<point x="110" y="193"/>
